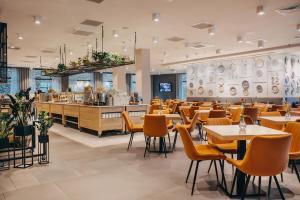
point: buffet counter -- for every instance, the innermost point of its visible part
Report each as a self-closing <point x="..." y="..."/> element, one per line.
<point x="98" y="118"/>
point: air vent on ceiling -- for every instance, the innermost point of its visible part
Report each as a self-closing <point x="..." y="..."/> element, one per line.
<point x="175" y="39"/>
<point x="90" y="22"/>
<point x="289" y="10"/>
<point x="82" y="33"/>
<point x="96" y="1"/>
<point x="202" y="26"/>
<point x="198" y="46"/>
<point x="48" y="51"/>
<point x="13" y="48"/>
<point x="30" y="56"/>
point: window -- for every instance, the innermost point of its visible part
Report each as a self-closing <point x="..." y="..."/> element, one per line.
<point x="182" y="86"/>
<point x="43" y="83"/>
<point x="12" y="85"/>
<point x="79" y="81"/>
<point x="107" y="80"/>
<point x="130" y="83"/>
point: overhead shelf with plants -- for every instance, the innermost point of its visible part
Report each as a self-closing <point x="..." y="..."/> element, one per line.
<point x="99" y="60"/>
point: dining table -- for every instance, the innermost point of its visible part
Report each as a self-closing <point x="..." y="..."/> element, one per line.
<point x="234" y="132"/>
<point x="280" y="119"/>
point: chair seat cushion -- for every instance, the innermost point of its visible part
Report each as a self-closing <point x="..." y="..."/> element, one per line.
<point x="227" y="147"/>
<point x="137" y="128"/>
<point x="207" y="152"/>
<point x="294" y="155"/>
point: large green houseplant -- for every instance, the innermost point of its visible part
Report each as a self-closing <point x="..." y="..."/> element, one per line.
<point x="5" y="129"/>
<point x="43" y="124"/>
<point x="21" y="113"/>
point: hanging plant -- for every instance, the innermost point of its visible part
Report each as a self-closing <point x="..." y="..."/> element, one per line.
<point x="61" y="67"/>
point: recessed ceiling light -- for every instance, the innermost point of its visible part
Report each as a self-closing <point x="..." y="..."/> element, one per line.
<point x="152" y="70"/>
<point x="211" y="31"/>
<point x="260" y="10"/>
<point x="19" y="36"/>
<point x="155" y="40"/>
<point x="260" y="44"/>
<point x="71" y="53"/>
<point x="127" y="68"/>
<point x="115" y="33"/>
<point x="218" y="51"/>
<point x="125" y="49"/>
<point x="239" y="39"/>
<point x="298" y="27"/>
<point x="156" y="17"/>
<point x="37" y="20"/>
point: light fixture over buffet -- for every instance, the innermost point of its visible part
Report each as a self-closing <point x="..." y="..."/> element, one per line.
<point x="98" y="60"/>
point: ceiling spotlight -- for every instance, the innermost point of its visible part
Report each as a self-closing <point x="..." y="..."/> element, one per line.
<point x="260" y="44"/>
<point x="37" y="20"/>
<point x="218" y="51"/>
<point x="239" y="39"/>
<point x="115" y="33"/>
<point x="156" y="17"/>
<point x="125" y="49"/>
<point x="211" y="31"/>
<point x="71" y="53"/>
<point x="155" y="40"/>
<point x="298" y="27"/>
<point x="260" y="10"/>
<point x="19" y="36"/>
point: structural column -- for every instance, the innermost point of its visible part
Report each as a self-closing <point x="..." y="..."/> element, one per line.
<point x="143" y="80"/>
<point x="119" y="79"/>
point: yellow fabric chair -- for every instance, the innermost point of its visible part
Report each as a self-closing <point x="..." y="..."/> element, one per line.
<point x="198" y="153"/>
<point x="132" y="128"/>
<point x="271" y="162"/>
<point x="270" y="124"/>
<point x="294" y="154"/>
<point x="155" y="126"/>
<point x="236" y="115"/>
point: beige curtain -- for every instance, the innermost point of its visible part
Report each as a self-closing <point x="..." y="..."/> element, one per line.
<point x="24" y="78"/>
<point x="64" y="83"/>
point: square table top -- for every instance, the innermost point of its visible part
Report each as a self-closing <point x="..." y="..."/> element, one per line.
<point x="280" y="119"/>
<point x="202" y="111"/>
<point x="233" y="132"/>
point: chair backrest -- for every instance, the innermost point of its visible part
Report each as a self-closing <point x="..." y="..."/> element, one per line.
<point x="217" y="121"/>
<point x="155" y="125"/>
<point x="188" y="145"/>
<point x="252" y="112"/>
<point x="269" y="114"/>
<point x="174" y="108"/>
<point x="203" y="108"/>
<point x="185" y="110"/>
<point x="217" y="114"/>
<point x="248" y="120"/>
<point x="127" y="120"/>
<point x="294" y="129"/>
<point x="267" y="155"/>
<point x="192" y="125"/>
<point x="154" y="107"/>
<point x="192" y="110"/>
<point x="184" y="117"/>
<point x="236" y="114"/>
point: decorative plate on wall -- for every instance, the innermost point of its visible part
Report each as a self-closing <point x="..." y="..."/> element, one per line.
<point x="210" y="93"/>
<point x="191" y="85"/>
<point x="233" y="91"/>
<point x="221" y="69"/>
<point x="245" y="84"/>
<point x="259" y="63"/>
<point x="246" y="92"/>
<point x="221" y="88"/>
<point x="200" y="82"/>
<point x="259" y="89"/>
<point x="200" y="90"/>
<point x="275" y="89"/>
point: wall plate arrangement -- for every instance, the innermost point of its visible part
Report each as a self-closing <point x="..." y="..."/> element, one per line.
<point x="246" y="93"/>
<point x="259" y="63"/>
<point x="275" y="89"/>
<point x="245" y="84"/>
<point x="259" y="89"/>
<point x="221" y="69"/>
<point x="201" y="90"/>
<point x="233" y="91"/>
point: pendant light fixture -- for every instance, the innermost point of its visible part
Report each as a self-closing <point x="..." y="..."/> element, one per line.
<point x="211" y="31"/>
<point x="155" y="17"/>
<point x="260" y="10"/>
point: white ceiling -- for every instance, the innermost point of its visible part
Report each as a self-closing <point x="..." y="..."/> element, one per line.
<point x="61" y="17"/>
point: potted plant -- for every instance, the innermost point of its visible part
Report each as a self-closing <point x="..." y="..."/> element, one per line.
<point x="5" y="130"/>
<point x="43" y="124"/>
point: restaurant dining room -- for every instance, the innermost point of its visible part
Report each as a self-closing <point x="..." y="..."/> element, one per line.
<point x="149" y="99"/>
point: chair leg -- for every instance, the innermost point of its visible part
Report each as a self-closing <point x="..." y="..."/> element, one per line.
<point x="233" y="182"/>
<point x="259" y="185"/>
<point x="190" y="168"/>
<point x="130" y="141"/>
<point x="296" y="170"/>
<point x="281" y="176"/>
<point x="195" y="177"/>
<point x="211" y="162"/>
<point x="175" y="139"/>
<point x="246" y="186"/>
<point x="217" y="174"/>
<point x="169" y="138"/>
<point x="223" y="175"/>
<point x="253" y="179"/>
<point x="269" y="186"/>
<point x="165" y="147"/>
<point x="278" y="187"/>
<point x="146" y="148"/>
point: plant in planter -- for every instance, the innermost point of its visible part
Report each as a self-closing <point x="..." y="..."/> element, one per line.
<point x="61" y="67"/>
<point x="21" y="115"/>
<point x="5" y="129"/>
<point x="43" y="124"/>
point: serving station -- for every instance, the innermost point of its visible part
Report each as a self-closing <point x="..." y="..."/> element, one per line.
<point x="97" y="118"/>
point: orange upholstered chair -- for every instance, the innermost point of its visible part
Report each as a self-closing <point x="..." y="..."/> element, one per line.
<point x="189" y="127"/>
<point x="154" y="107"/>
<point x="155" y="126"/>
<point x="217" y="114"/>
<point x="198" y="153"/>
<point x="132" y="128"/>
<point x="271" y="162"/>
<point x="270" y="124"/>
<point x="236" y="115"/>
<point x="294" y="154"/>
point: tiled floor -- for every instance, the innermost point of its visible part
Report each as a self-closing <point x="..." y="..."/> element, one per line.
<point x="80" y="172"/>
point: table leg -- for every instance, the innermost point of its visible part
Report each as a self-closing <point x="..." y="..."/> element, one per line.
<point x="161" y="145"/>
<point x="242" y="145"/>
